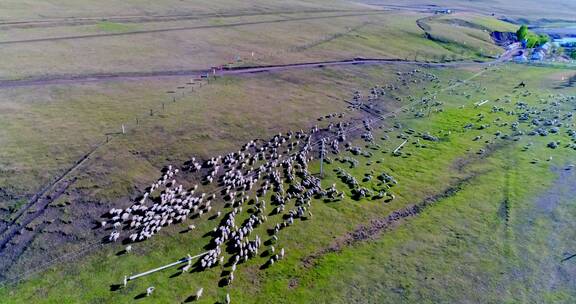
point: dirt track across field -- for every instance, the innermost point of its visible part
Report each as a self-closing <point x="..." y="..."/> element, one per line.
<point x="185" y="28"/>
<point x="132" y="76"/>
<point x="77" y="21"/>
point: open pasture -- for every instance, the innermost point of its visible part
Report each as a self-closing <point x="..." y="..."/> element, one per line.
<point x="519" y="10"/>
<point x="64" y="155"/>
<point x="454" y="175"/>
<point x="432" y="179"/>
<point x="213" y="119"/>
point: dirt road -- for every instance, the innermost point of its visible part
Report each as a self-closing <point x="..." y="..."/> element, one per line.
<point x="134" y="76"/>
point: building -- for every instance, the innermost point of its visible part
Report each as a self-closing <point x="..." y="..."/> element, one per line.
<point x="444" y="11"/>
<point x="545" y="47"/>
<point x="538" y="55"/>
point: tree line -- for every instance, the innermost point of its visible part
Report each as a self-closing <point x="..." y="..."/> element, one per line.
<point x="531" y="39"/>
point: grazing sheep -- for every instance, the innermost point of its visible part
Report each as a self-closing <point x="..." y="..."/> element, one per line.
<point x="237" y="174"/>
<point x="128" y="249"/>
<point x="199" y="293"/>
<point x="114" y="236"/>
<point x="149" y="291"/>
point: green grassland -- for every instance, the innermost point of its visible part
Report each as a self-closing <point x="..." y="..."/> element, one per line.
<point x="497" y="238"/>
<point x="465" y="35"/>
<point x="214" y="41"/>
<point x="67" y="121"/>
<point x="528" y="10"/>
<point x="215" y="118"/>
<point x="38" y="10"/>
<point x="460" y="249"/>
<point x="45" y="130"/>
<point x="487" y="22"/>
<point x="114" y="27"/>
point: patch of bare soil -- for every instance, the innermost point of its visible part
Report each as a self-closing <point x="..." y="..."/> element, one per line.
<point x="471" y="158"/>
<point x="568" y="83"/>
<point x="564" y="186"/>
<point x="548" y="220"/>
<point x="293" y="283"/>
<point x="503" y="38"/>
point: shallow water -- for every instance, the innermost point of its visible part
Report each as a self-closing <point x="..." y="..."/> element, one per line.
<point x="565" y="40"/>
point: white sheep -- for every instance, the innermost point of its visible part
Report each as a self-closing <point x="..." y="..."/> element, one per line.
<point x="199" y="293"/>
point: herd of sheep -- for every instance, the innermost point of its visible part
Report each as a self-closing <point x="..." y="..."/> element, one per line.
<point x="274" y="174"/>
<point x="224" y="186"/>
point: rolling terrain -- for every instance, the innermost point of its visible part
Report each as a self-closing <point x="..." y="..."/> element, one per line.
<point x="437" y="171"/>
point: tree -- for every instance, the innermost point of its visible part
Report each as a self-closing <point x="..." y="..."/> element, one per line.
<point x="522" y="33"/>
<point x="543" y="39"/>
<point x="532" y="41"/>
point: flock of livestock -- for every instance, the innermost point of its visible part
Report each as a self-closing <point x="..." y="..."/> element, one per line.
<point x="285" y="156"/>
<point x="268" y="166"/>
<point x="275" y="170"/>
<point x="273" y="174"/>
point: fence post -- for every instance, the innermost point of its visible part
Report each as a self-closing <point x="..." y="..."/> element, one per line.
<point x="322" y="160"/>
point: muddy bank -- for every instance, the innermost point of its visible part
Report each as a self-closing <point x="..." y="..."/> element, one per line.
<point x="504" y="38"/>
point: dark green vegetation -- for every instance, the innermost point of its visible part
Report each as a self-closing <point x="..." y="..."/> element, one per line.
<point x="532" y="40"/>
<point x="522" y="32"/>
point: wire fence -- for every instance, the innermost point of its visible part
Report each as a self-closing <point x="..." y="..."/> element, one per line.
<point x="353" y="128"/>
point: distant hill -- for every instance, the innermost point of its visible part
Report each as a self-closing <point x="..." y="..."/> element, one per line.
<point x="527" y="10"/>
